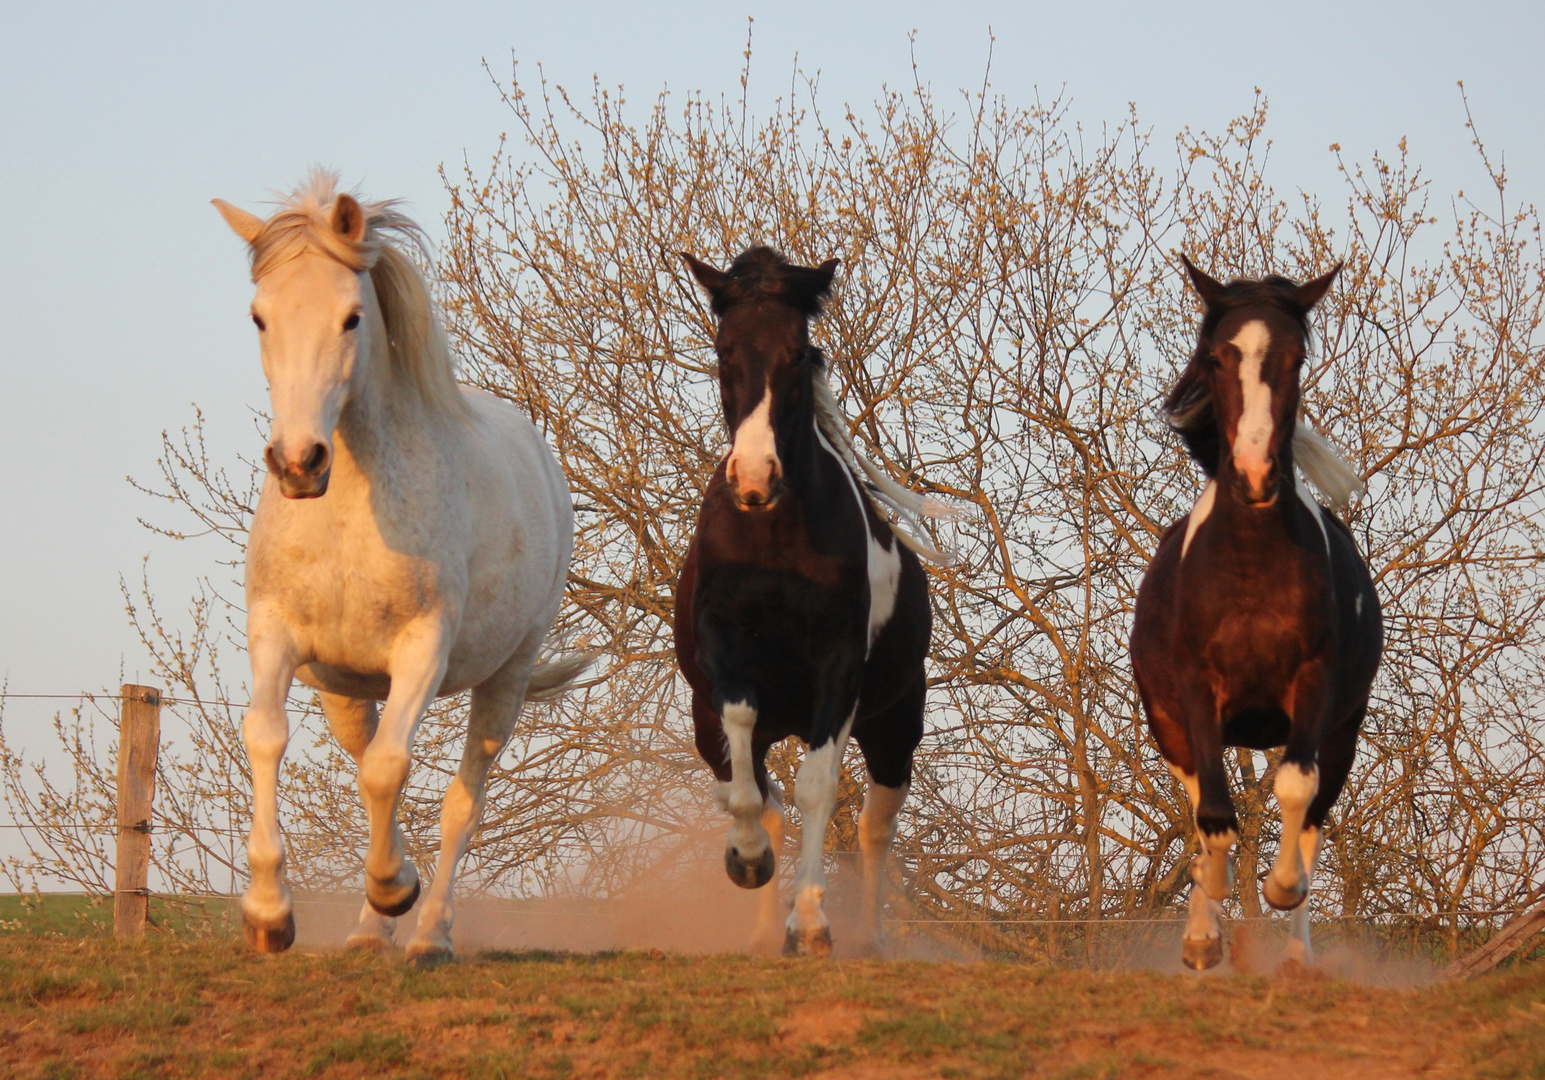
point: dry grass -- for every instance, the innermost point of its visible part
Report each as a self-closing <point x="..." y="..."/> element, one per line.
<point x="95" y="1007"/>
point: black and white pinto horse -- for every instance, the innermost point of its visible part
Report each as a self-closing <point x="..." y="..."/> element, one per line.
<point x="1257" y="624"/>
<point x="800" y="610"/>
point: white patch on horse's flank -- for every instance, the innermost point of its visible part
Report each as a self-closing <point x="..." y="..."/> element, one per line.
<point x="1199" y="513"/>
<point x="1253" y="437"/>
<point x="1357" y="606"/>
<point x="1313" y="506"/>
<point x="884" y="566"/>
<point x="754" y="454"/>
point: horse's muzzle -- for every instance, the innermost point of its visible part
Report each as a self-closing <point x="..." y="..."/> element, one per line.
<point x="303" y="477"/>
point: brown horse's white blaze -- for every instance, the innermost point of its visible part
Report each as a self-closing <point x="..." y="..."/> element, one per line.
<point x="753" y="467"/>
<point x="1253" y="439"/>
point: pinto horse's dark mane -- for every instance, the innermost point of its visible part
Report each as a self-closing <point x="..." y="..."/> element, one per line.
<point x="1188" y="405"/>
<point x="760" y="273"/>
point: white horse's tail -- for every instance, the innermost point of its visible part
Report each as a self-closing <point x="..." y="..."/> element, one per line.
<point x="554" y="677"/>
<point x="1323" y="467"/>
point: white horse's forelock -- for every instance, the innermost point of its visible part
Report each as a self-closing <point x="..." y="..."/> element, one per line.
<point x="418" y="349"/>
<point x="883" y="492"/>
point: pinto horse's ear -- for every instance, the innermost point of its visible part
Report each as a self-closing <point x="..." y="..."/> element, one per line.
<point x="247" y="226"/>
<point x="1312" y="292"/>
<point x="709" y="277"/>
<point x="1208" y="288"/>
<point x="348" y="218"/>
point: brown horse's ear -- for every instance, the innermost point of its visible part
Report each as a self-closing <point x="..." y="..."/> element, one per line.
<point x="1208" y="288"/>
<point x="828" y="269"/>
<point x="348" y="218"/>
<point x="709" y="277"/>
<point x="1312" y="292"/>
<point x="247" y="226"/>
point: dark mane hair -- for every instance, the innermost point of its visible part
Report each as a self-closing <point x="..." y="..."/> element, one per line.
<point x="761" y="273"/>
<point x="1188" y="406"/>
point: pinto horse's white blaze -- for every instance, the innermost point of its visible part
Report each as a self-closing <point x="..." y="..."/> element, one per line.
<point x="753" y="465"/>
<point x="1199" y="513"/>
<point x="1252" y="439"/>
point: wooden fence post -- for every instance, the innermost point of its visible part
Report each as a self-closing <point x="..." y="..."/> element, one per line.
<point x="139" y="741"/>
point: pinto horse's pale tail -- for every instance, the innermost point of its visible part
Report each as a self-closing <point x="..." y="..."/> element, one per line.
<point x="1324" y="467"/>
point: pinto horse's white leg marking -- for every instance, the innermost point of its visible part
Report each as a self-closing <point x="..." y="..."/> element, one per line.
<point x="1287" y="886"/>
<point x="749" y="852"/>
<point x="767" y="938"/>
<point x="1298" y="947"/>
<point x="876" y="831"/>
<point x="753" y="460"/>
<point x="1202" y="943"/>
<point x="267" y="908"/>
<point x="496" y="705"/>
<point x="815" y="793"/>
<point x="1199" y="513"/>
<point x="1252" y="439"/>
<point x="417" y="665"/>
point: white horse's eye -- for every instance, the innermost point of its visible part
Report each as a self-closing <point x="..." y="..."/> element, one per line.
<point x="352" y="321"/>
<point x="258" y="321"/>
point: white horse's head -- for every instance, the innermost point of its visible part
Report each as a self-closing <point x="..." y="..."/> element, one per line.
<point x="316" y="314"/>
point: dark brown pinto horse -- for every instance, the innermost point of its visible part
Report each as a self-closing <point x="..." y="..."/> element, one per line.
<point x="800" y="611"/>
<point x="1257" y="624"/>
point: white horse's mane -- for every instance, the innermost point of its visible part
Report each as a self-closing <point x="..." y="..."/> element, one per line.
<point x="419" y="352"/>
<point x="883" y="492"/>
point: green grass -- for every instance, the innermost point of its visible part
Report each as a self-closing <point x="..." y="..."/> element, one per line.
<point x="169" y="1007"/>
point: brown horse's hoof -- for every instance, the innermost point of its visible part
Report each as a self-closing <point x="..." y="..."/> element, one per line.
<point x="1284" y="899"/>
<point x="817" y="942"/>
<point x="393" y="909"/>
<point x="750" y="873"/>
<point x="269" y="939"/>
<point x="1199" y="955"/>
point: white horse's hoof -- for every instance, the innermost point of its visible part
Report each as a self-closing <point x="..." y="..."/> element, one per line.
<point x="1201" y="954"/>
<point x="428" y="954"/>
<point x="394" y="898"/>
<point x="816" y="941"/>
<point x="367" y="941"/>
<point x="269" y="938"/>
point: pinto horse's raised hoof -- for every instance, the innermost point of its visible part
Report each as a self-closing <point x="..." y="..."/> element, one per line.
<point x="269" y="940"/>
<point x="816" y="942"/>
<point x="750" y="874"/>
<point x="1285" y="899"/>
<point x="1201" y="954"/>
<point x="386" y="905"/>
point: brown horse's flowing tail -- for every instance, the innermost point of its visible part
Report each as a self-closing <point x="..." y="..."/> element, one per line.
<point x="555" y="676"/>
<point x="1323" y="467"/>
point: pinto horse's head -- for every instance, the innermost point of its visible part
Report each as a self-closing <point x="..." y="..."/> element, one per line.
<point x="764" y="304"/>
<point x="1236" y="404"/>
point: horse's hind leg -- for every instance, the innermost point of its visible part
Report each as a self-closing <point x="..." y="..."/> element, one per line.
<point x="495" y="707"/>
<point x="417" y="664"/>
<point x="888" y="746"/>
<point x="267" y="909"/>
<point x="1335" y="762"/>
<point x="767" y="938"/>
<point x="353" y="722"/>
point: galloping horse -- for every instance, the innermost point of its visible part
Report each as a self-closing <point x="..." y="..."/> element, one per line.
<point x="1257" y="624"/>
<point x="800" y="610"/>
<point x="412" y="540"/>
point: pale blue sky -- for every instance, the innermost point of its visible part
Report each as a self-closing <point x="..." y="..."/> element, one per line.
<point x="123" y="296"/>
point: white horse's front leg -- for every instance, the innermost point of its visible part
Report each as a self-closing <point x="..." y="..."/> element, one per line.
<point x="417" y="664"/>
<point x="267" y="910"/>
<point x="495" y="708"/>
<point x="354" y="722"/>
<point x="876" y="831"/>
<point x="767" y="938"/>
<point x="815" y="793"/>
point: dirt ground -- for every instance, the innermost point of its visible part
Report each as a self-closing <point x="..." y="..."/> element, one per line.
<point x="169" y="1007"/>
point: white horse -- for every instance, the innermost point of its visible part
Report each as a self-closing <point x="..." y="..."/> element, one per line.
<point x="412" y="540"/>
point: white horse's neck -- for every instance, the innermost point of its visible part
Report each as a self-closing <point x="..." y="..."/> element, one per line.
<point x="384" y="416"/>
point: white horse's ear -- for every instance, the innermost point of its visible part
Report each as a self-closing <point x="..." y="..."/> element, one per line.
<point x="247" y="226"/>
<point x="348" y="218"/>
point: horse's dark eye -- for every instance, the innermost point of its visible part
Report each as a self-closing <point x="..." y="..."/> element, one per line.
<point x="257" y="321"/>
<point x="352" y="321"/>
